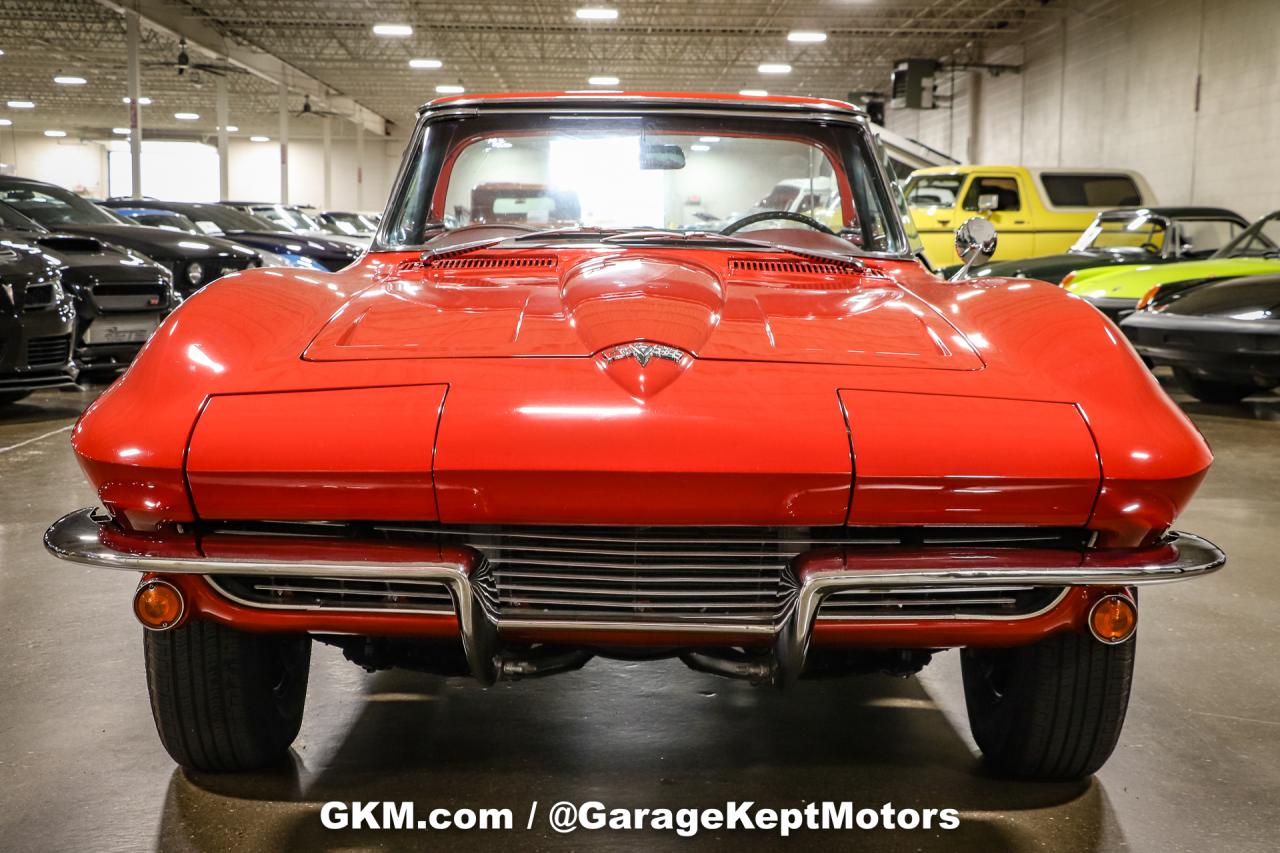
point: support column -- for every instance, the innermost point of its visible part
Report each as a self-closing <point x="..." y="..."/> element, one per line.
<point x="284" y="143"/>
<point x="328" y="163"/>
<point x="224" y="166"/>
<point x="132" y="37"/>
<point x="359" y="167"/>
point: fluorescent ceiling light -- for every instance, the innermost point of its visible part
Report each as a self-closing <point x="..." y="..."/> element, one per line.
<point x="425" y="63"/>
<point x="69" y="80"/>
<point x="699" y="147"/>
<point x="259" y="138"/>
<point x="392" y="30"/>
<point x="22" y="105"/>
<point x="708" y="139"/>
<point x="231" y="128"/>
<point x="186" y="116"/>
<point x="773" y="68"/>
<point x="447" y="89"/>
<point x="603" y="80"/>
<point x="143" y="101"/>
<point x="121" y="131"/>
<point x="806" y="36"/>
<point x="753" y="93"/>
<point x="55" y="133"/>
<point x="596" y="13"/>
<point x="4" y="122"/>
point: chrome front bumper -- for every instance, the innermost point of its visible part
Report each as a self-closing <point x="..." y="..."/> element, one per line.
<point x="83" y="537"/>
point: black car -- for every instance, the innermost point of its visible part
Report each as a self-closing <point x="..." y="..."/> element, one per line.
<point x="120" y="295"/>
<point x="1138" y="235"/>
<point x="288" y="248"/>
<point x="1222" y="338"/>
<point x="37" y="322"/>
<point x="194" y="261"/>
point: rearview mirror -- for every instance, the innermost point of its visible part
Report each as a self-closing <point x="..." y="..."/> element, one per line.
<point x="988" y="202"/>
<point x="658" y="156"/>
<point x="975" y="244"/>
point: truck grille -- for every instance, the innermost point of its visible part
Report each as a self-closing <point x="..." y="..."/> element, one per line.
<point x="49" y="352"/>
<point x="659" y="575"/>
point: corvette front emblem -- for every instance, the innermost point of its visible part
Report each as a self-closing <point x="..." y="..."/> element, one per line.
<point x="642" y="352"/>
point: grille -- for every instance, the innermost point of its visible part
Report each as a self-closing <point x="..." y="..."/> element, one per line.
<point x="49" y="352"/>
<point x="294" y="593"/>
<point x="37" y="297"/>
<point x="490" y="263"/>
<point x="1005" y="602"/>
<point x="657" y="575"/>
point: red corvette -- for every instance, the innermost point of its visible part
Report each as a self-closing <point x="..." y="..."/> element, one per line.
<point x="770" y="442"/>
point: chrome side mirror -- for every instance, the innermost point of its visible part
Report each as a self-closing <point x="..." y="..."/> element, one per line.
<point x="988" y="202"/>
<point x="975" y="244"/>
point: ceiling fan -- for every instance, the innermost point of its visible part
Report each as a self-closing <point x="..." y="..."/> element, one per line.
<point x="308" y="110"/>
<point x="184" y="64"/>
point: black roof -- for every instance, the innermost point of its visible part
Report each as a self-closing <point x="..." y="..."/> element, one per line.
<point x="1177" y="212"/>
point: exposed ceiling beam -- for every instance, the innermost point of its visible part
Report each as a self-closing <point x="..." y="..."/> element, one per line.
<point x="169" y="19"/>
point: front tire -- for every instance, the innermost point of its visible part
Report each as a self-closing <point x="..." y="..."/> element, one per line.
<point x="1213" y="390"/>
<point x="1050" y="711"/>
<point x="226" y="700"/>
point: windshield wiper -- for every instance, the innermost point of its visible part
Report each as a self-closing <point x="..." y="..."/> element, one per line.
<point x="655" y="235"/>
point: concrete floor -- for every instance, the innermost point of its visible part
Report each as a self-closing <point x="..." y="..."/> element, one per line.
<point x="1198" y="767"/>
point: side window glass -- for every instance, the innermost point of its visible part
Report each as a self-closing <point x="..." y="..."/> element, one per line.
<point x="998" y="193"/>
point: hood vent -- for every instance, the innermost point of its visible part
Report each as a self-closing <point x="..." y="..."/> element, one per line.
<point x="494" y="262"/>
<point x="791" y="267"/>
<point x="71" y="244"/>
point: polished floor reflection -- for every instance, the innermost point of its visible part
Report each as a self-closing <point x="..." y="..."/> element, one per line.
<point x="1198" y="767"/>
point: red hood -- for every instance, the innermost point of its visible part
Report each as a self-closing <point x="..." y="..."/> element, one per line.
<point x="711" y="304"/>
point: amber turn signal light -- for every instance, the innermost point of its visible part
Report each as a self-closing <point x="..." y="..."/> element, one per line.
<point x="158" y="605"/>
<point x="1113" y="619"/>
<point x="1146" y="298"/>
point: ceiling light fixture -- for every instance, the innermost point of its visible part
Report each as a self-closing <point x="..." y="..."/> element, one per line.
<point x="392" y="30"/>
<point x="4" y="122"/>
<point x="449" y="89"/>
<point x="597" y="13"/>
<point x="806" y="36"/>
<point x="186" y="116"/>
<point x="22" y="105"/>
<point x="773" y="68"/>
<point x="708" y="139"/>
<point x="69" y="80"/>
<point x="143" y="101"/>
<point x="753" y="93"/>
<point x="121" y="131"/>
<point x="55" y="133"/>
<point x="603" y="80"/>
<point x="259" y="138"/>
<point x="699" y="147"/>
<point x="425" y="63"/>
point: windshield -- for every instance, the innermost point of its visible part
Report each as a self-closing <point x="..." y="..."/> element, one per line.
<point x="220" y="219"/>
<point x="290" y="218"/>
<point x="350" y="224"/>
<point x="670" y="172"/>
<point x="1136" y="234"/>
<point x="14" y="221"/>
<point x="169" y="221"/>
<point x="54" y="206"/>
<point x="1261" y="239"/>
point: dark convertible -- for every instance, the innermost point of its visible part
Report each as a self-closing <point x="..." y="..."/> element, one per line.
<point x="1146" y="235"/>
<point x="1221" y="338"/>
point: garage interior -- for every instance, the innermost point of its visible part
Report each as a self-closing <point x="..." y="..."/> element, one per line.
<point x="310" y="102"/>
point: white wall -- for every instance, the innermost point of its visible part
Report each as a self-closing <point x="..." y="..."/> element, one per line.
<point x="1114" y="84"/>
<point x="254" y="168"/>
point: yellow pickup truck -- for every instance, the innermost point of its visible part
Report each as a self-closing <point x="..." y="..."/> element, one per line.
<point x="1035" y="211"/>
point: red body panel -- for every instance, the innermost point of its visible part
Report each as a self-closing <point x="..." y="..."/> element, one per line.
<point x="884" y="397"/>
<point x="313" y="455"/>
